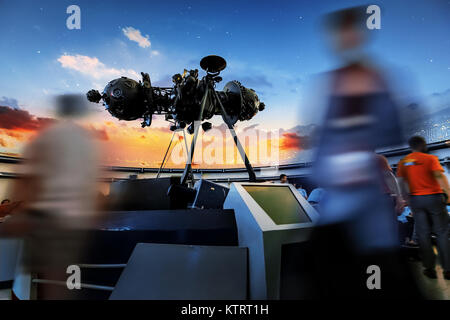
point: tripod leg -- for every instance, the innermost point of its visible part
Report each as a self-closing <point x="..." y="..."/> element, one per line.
<point x="248" y="166"/>
<point x="185" y="144"/>
<point x="226" y="118"/>
<point x="188" y="168"/>
<point x="164" y="159"/>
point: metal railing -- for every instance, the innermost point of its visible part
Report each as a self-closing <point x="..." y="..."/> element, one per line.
<point x="84" y="285"/>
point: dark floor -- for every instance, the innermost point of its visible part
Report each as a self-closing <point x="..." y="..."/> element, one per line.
<point x="435" y="289"/>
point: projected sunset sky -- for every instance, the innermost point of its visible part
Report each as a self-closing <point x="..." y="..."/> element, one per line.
<point x="275" y="47"/>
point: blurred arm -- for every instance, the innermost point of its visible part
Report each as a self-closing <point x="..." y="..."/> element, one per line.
<point x="443" y="182"/>
<point x="403" y="187"/>
<point x="395" y="188"/>
<point x="26" y="187"/>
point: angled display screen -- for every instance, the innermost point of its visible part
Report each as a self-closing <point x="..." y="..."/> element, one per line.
<point x="279" y="203"/>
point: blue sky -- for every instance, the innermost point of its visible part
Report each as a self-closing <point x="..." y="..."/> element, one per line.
<point x="274" y="47"/>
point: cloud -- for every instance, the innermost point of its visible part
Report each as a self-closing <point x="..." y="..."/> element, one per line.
<point x="164" y="81"/>
<point x="253" y="126"/>
<point x="13" y="134"/>
<point x="5" y="144"/>
<point x="10" y="102"/>
<point x="100" y="134"/>
<point x="22" y="120"/>
<point x="136" y="36"/>
<point x="17" y="126"/>
<point x="290" y="140"/>
<point x="256" y="81"/>
<point x="93" y="67"/>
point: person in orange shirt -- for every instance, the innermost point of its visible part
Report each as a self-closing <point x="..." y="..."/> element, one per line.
<point x="428" y="196"/>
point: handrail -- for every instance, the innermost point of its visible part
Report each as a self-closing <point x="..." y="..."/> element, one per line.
<point x="391" y="152"/>
<point x="101" y="266"/>
<point x="63" y="283"/>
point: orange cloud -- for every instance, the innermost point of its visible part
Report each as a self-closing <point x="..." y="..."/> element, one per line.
<point x="14" y="134"/>
<point x="5" y="144"/>
<point x="21" y="120"/>
<point x="293" y="141"/>
<point x="100" y="134"/>
<point x="127" y="144"/>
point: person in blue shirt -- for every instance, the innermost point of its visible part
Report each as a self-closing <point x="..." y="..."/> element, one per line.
<point x="316" y="195"/>
<point x="302" y="192"/>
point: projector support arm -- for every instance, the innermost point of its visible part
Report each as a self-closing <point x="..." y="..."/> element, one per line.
<point x="188" y="168"/>
<point x="165" y="156"/>
<point x="229" y="123"/>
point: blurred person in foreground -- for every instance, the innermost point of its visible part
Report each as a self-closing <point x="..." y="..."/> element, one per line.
<point x="357" y="225"/>
<point x="429" y="191"/>
<point x="7" y="208"/>
<point x="59" y="192"/>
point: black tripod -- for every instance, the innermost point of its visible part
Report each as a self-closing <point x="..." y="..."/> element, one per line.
<point x="213" y="66"/>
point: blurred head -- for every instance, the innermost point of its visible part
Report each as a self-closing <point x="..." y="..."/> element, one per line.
<point x="5" y="201"/>
<point x="283" y="178"/>
<point x="418" y="143"/>
<point x="71" y="105"/>
<point x="348" y="31"/>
